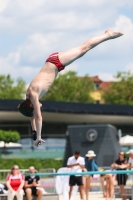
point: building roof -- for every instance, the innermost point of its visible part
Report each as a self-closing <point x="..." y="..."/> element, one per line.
<point x="96" y="79"/>
<point x="71" y="107"/>
<point x="70" y="113"/>
<point x="102" y="84"/>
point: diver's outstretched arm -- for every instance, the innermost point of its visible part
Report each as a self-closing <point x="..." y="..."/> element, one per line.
<point x="37" y="122"/>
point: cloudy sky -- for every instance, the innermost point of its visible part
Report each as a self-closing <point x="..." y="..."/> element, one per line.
<point x="30" y="30"/>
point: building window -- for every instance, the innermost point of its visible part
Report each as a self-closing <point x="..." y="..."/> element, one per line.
<point x="97" y="101"/>
<point x="97" y="85"/>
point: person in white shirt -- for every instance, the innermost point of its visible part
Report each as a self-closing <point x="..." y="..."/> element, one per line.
<point x="76" y="163"/>
<point x="130" y="161"/>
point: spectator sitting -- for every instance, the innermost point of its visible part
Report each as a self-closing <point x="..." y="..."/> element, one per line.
<point x="90" y="165"/>
<point x="121" y="164"/>
<point x="32" y="184"/>
<point x="15" y="183"/>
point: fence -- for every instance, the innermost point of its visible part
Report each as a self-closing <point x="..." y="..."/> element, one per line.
<point x="49" y="179"/>
<point x="47" y="182"/>
<point x="96" y="185"/>
<point x="5" y="172"/>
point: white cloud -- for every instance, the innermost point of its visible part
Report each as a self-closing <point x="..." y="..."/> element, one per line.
<point x="106" y="76"/>
<point x="5" y="66"/>
<point x="38" y="46"/>
<point x="120" y="48"/>
<point x="43" y="15"/>
<point x="33" y="48"/>
<point x="129" y="67"/>
<point x="72" y="67"/>
<point x="3" y="5"/>
<point x="49" y="26"/>
<point x="126" y="25"/>
<point x="14" y="58"/>
<point x="9" y="65"/>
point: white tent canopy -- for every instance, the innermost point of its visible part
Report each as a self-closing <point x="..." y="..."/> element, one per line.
<point x="10" y="144"/>
<point x="126" y="140"/>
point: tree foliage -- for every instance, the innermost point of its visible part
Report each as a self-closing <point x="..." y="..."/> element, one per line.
<point x="25" y="163"/>
<point x="11" y="90"/>
<point x="9" y="136"/>
<point x="120" y="91"/>
<point x="70" y="88"/>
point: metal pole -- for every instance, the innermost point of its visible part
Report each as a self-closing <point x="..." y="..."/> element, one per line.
<point x="132" y="191"/>
<point x="132" y="188"/>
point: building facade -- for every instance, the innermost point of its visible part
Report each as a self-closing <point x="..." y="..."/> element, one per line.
<point x="100" y="86"/>
<point x="58" y="115"/>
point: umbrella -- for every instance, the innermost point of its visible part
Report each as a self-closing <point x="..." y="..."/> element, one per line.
<point x="10" y="144"/>
<point x="126" y="140"/>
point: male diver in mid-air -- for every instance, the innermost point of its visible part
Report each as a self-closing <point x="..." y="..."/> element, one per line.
<point x="46" y="76"/>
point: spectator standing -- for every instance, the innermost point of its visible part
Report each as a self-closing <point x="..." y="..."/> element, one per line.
<point x="109" y="191"/>
<point x="32" y="184"/>
<point x="76" y="163"/>
<point x="15" y="183"/>
<point x="90" y="165"/>
<point x="121" y="164"/>
<point x="130" y="161"/>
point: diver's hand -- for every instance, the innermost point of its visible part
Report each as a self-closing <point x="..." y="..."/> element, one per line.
<point x="38" y="142"/>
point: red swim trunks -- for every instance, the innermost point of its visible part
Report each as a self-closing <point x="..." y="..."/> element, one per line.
<point x="53" y="58"/>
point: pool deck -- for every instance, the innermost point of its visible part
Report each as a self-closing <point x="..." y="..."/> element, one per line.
<point x="91" y="197"/>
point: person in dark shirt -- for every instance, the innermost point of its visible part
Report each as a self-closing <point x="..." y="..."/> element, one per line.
<point x="32" y="184"/>
<point x="121" y="164"/>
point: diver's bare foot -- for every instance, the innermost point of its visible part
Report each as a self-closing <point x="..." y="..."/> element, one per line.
<point x="113" y="34"/>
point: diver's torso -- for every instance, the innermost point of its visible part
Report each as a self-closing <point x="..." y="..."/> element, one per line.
<point x="43" y="80"/>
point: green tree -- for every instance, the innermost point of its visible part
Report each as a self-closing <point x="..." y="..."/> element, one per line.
<point x="9" y="136"/>
<point x="70" y="88"/>
<point x="121" y="90"/>
<point x="11" y="90"/>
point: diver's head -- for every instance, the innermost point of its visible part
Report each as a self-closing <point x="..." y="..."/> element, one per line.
<point x="26" y="108"/>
